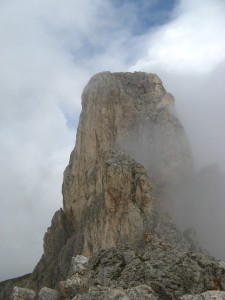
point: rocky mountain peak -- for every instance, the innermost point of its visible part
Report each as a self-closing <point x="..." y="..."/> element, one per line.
<point x="131" y="112"/>
<point x="107" y="194"/>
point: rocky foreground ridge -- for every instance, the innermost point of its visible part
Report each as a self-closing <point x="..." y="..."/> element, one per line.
<point x="113" y="240"/>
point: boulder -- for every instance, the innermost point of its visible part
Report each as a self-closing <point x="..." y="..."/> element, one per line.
<point x="209" y="295"/>
<point x="19" y="293"/>
<point x="48" y="294"/>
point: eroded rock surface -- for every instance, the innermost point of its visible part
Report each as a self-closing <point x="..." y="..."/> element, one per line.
<point x="131" y="112"/>
<point x="167" y="265"/>
<point x="48" y="294"/>
<point x="6" y="286"/>
<point x="210" y="295"/>
<point x="23" y="294"/>
<point x="108" y="196"/>
<point x="103" y="293"/>
<point x="58" y="250"/>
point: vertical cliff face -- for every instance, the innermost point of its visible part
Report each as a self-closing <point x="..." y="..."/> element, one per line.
<point x="106" y="194"/>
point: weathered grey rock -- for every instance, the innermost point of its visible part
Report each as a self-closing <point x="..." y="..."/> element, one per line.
<point x="78" y="265"/>
<point x="22" y="294"/>
<point x="141" y="292"/>
<point x="58" y="250"/>
<point x="6" y="287"/>
<point x="72" y="286"/>
<point x="209" y="295"/>
<point x="48" y="294"/>
<point x="167" y="262"/>
<point x="105" y="293"/>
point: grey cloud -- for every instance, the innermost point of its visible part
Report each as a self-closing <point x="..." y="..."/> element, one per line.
<point x="189" y="54"/>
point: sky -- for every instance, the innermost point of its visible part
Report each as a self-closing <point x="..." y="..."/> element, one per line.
<point x="49" y="50"/>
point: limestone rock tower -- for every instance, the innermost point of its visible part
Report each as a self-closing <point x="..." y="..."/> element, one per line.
<point x="130" y="145"/>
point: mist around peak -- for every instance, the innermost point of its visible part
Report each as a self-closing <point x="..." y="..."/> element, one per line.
<point x="193" y="196"/>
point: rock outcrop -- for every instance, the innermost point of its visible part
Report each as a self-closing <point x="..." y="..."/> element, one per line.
<point x="166" y="266"/>
<point x="134" y="114"/>
<point x="128" y="140"/>
<point x="210" y="295"/>
<point x="7" y="285"/>
<point x="131" y="159"/>
<point x="45" y="293"/>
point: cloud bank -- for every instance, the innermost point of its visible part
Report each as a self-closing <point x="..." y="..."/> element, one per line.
<point x="189" y="55"/>
<point x="48" y="52"/>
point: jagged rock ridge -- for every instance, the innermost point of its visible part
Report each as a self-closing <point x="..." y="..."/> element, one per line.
<point x="131" y="154"/>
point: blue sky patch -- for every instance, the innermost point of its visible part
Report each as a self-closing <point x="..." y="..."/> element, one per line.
<point x="147" y="13"/>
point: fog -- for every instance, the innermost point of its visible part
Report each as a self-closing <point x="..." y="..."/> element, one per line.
<point x="201" y="108"/>
<point x="191" y="192"/>
<point x="186" y="166"/>
<point x="185" y="55"/>
<point x="198" y="201"/>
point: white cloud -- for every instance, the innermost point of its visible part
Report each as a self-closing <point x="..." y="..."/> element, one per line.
<point x="48" y="52"/>
<point x="189" y="55"/>
<point x="40" y="88"/>
<point x="191" y="42"/>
